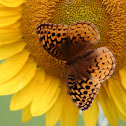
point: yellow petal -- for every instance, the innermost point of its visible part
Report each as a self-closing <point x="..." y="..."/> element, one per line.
<point x="22" y="98"/>
<point x="11" y="49"/>
<point x="90" y="116"/>
<point x="7" y="11"/>
<point x="118" y="93"/>
<point x="10" y="34"/>
<point x="14" y="38"/>
<point x="122" y="73"/>
<point x="69" y="116"/>
<point x="108" y="106"/>
<point x="5" y="21"/>
<point x="2" y="6"/>
<point x="20" y="80"/>
<point x="12" y="65"/>
<point x="123" y="117"/>
<point x="12" y="3"/>
<point x="26" y="113"/>
<point x="106" y="88"/>
<point x="54" y="113"/>
<point x="46" y="95"/>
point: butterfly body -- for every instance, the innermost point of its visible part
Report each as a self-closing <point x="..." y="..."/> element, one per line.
<point x="87" y="68"/>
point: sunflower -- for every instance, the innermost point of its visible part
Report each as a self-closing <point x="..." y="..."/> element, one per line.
<point x="37" y="80"/>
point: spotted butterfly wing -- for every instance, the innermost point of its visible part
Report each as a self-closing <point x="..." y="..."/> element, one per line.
<point x="62" y="41"/>
<point x="81" y="88"/>
<point x="82" y="35"/>
<point x="54" y="39"/>
<point x="85" y="74"/>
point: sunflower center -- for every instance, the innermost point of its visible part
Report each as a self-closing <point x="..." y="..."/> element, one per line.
<point x="66" y="12"/>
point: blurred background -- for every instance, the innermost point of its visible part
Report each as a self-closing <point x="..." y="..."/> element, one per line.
<point x="13" y="118"/>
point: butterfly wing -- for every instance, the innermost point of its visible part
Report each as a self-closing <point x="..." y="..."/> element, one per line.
<point x="54" y="39"/>
<point x="82" y="88"/>
<point x="99" y="64"/>
<point x="85" y="74"/>
<point x="62" y="41"/>
<point x="82" y="35"/>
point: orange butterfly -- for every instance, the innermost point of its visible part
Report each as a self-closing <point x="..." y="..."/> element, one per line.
<point x="87" y="67"/>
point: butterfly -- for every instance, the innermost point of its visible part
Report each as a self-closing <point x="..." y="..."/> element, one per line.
<point x="87" y="68"/>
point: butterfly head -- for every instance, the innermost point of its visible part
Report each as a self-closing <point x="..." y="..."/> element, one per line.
<point x="66" y="63"/>
<point x="69" y="61"/>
